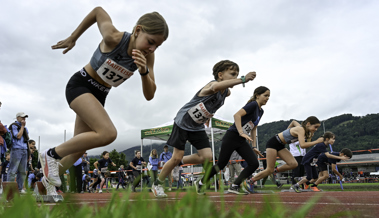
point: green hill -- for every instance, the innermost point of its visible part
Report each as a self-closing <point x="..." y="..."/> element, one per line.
<point x="353" y="132"/>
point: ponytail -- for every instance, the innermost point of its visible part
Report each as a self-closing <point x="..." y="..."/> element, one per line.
<point x="258" y="91"/>
<point x="312" y="120"/>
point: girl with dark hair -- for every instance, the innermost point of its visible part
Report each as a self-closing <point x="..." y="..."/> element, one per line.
<point x="276" y="146"/>
<point x="244" y="128"/>
<point x="310" y="160"/>
<point x="190" y="119"/>
<point x="102" y="167"/>
<point x="114" y="61"/>
<point x="137" y="164"/>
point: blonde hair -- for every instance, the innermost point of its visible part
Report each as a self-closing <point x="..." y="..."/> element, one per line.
<point x="154" y="24"/>
<point x="156" y="153"/>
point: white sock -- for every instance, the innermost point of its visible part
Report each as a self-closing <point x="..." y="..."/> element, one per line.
<point x="234" y="185"/>
<point x="200" y="183"/>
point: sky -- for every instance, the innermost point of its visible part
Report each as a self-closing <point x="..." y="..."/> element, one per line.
<point x="318" y="58"/>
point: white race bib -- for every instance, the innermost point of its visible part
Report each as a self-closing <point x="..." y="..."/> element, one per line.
<point x="113" y="73"/>
<point x="248" y="127"/>
<point x="104" y="169"/>
<point x="314" y="161"/>
<point x="139" y="167"/>
<point x="199" y="113"/>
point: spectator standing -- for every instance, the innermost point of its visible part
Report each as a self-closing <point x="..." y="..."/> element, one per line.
<point x="121" y="176"/>
<point x="153" y="160"/>
<point x="79" y="175"/>
<point x="85" y="163"/>
<point x="3" y="144"/>
<point x="32" y="149"/>
<point x="165" y="156"/>
<point x="180" y="181"/>
<point x="234" y="166"/>
<point x="136" y="164"/>
<point x="4" y="168"/>
<point x="19" y="150"/>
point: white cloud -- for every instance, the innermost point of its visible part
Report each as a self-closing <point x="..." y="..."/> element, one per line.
<point x="318" y="58"/>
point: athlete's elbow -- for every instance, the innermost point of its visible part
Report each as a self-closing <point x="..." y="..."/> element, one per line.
<point x="149" y="97"/>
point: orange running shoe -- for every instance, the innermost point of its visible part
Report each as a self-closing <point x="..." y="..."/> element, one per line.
<point x="306" y="186"/>
<point x="315" y="189"/>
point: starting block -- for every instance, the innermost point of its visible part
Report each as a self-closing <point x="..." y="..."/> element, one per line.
<point x="10" y="189"/>
<point x="41" y="196"/>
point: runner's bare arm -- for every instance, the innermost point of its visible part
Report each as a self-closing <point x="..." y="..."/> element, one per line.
<point x="214" y="87"/>
<point x="111" y="36"/>
<point x="148" y="81"/>
<point x="299" y="131"/>
<point x="294" y="123"/>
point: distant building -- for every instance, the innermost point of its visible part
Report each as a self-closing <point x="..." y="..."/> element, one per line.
<point x="360" y="162"/>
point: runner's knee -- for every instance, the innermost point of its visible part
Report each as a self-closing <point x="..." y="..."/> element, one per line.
<point x="108" y="136"/>
<point x="206" y="156"/>
<point x="292" y="164"/>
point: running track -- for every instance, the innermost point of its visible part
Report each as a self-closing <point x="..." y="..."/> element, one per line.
<point x="363" y="203"/>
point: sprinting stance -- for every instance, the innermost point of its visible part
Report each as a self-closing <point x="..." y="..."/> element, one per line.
<point x="322" y="163"/>
<point x="245" y="123"/>
<point x="310" y="160"/>
<point x="118" y="55"/>
<point x="189" y="121"/>
<point x="276" y="145"/>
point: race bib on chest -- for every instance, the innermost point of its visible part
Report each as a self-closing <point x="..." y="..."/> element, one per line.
<point x="6" y="170"/>
<point x="104" y="169"/>
<point x="248" y="127"/>
<point x="113" y="73"/>
<point x="314" y="161"/>
<point x="199" y="113"/>
<point x="139" y="167"/>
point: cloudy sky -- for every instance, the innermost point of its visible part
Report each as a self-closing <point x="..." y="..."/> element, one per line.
<point x="317" y="57"/>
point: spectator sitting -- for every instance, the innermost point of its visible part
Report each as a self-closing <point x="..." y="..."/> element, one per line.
<point x="33" y="178"/>
<point x="85" y="179"/>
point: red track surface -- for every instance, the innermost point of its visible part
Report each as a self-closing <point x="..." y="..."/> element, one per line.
<point x="363" y="203"/>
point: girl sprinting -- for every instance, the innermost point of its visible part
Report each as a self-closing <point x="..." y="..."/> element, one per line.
<point x="276" y="145"/>
<point x="114" y="61"/>
<point x="189" y="121"/>
<point x="237" y="137"/>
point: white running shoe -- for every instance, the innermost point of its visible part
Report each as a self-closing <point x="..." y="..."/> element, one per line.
<point x="22" y="191"/>
<point x="158" y="191"/>
<point x="50" y="168"/>
<point x="50" y="189"/>
<point x="100" y="191"/>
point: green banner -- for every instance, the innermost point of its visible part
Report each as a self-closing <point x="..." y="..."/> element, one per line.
<point x="165" y="130"/>
<point x="220" y="124"/>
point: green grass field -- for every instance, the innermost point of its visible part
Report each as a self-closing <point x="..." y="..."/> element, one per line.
<point x="26" y="206"/>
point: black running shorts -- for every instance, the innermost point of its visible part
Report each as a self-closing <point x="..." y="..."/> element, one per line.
<point x="81" y="82"/>
<point x="179" y="137"/>
<point x="275" y="143"/>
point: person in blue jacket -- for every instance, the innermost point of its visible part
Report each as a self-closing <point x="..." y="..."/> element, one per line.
<point x="153" y="160"/>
